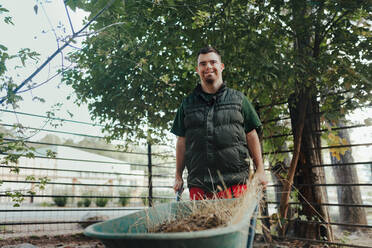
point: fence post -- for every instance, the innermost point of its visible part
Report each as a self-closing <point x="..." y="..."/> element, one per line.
<point x="149" y="173"/>
<point x="264" y="207"/>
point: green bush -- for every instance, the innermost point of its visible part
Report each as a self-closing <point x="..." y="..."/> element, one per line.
<point x="80" y="203"/>
<point x="87" y="202"/>
<point x="86" y="199"/>
<point x="101" y="202"/>
<point x="124" y="201"/>
<point x="60" y="201"/>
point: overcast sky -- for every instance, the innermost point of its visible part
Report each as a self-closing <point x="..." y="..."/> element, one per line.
<point x="35" y="31"/>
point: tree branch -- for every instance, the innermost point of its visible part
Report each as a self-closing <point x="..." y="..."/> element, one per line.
<point x="102" y="29"/>
<point x="27" y="80"/>
<point x="69" y="19"/>
<point x="332" y="23"/>
<point x="296" y="154"/>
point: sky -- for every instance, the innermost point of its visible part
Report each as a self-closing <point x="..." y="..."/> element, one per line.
<point x="35" y="31"/>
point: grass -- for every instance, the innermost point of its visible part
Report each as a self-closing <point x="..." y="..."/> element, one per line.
<point x="207" y="214"/>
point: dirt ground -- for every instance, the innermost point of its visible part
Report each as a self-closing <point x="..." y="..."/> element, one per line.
<point x="78" y="240"/>
<point x="61" y="241"/>
<point x="81" y="241"/>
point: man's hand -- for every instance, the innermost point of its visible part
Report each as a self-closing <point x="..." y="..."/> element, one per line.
<point x="262" y="179"/>
<point x="180" y="165"/>
<point x="178" y="184"/>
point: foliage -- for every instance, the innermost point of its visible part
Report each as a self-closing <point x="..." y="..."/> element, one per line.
<point x="84" y="202"/>
<point x="334" y="141"/>
<point x="12" y="147"/>
<point x="101" y="201"/>
<point x="61" y="200"/>
<point x="87" y="202"/>
<point x="154" y="45"/>
<point x="12" y="150"/>
<point x="134" y="74"/>
<point x="16" y="196"/>
<point x="125" y="198"/>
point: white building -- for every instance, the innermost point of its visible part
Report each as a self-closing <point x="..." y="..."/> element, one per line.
<point x="71" y="168"/>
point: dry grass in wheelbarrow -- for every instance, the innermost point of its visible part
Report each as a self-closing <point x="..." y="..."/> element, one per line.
<point x="211" y="214"/>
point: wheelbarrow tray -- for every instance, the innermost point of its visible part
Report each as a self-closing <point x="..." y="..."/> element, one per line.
<point x="132" y="230"/>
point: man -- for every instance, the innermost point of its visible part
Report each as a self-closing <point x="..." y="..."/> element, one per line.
<point x="216" y="128"/>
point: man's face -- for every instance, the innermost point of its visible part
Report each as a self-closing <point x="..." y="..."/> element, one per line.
<point x="210" y="68"/>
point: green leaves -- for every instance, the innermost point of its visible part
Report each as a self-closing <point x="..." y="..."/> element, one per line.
<point x="7" y="19"/>
<point x="17" y="198"/>
<point x="200" y="19"/>
<point x="133" y="76"/>
<point x="26" y="53"/>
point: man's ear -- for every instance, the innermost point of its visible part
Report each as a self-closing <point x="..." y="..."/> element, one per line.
<point x="197" y="69"/>
<point x="222" y="66"/>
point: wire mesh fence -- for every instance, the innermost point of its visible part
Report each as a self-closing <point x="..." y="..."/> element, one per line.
<point x="86" y="184"/>
<point x="81" y="184"/>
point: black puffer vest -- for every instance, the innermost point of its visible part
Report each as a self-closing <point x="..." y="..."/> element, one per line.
<point x="216" y="147"/>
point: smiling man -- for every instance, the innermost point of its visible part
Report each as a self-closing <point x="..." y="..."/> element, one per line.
<point x="216" y="129"/>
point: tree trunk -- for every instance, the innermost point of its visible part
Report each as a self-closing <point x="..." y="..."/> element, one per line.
<point x="310" y="196"/>
<point x="347" y="194"/>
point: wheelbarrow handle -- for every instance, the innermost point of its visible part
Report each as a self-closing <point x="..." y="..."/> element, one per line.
<point x="179" y="193"/>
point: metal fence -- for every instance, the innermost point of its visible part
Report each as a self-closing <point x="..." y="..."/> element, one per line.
<point x="363" y="182"/>
<point x="89" y="187"/>
<point x="121" y="187"/>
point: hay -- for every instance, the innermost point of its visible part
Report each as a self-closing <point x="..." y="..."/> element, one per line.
<point x="209" y="214"/>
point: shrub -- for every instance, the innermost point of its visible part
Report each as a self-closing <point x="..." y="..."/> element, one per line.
<point x="80" y="203"/>
<point x="87" y="202"/>
<point x="124" y="201"/>
<point x="101" y="202"/>
<point x="60" y="201"/>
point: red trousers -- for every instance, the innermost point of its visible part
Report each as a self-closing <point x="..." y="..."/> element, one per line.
<point x="231" y="192"/>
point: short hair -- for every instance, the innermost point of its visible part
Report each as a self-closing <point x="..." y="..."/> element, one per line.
<point x="209" y="49"/>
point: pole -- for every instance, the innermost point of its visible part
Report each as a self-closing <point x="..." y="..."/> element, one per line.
<point x="149" y="173"/>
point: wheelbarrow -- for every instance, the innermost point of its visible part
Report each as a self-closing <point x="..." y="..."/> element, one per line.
<point x="132" y="230"/>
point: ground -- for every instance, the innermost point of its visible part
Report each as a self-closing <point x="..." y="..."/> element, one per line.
<point x="61" y="241"/>
<point x="78" y="240"/>
<point x="81" y="241"/>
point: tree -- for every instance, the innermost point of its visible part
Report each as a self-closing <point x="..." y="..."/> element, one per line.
<point x="11" y="150"/>
<point x="138" y="63"/>
<point x="347" y="175"/>
<point x="12" y="142"/>
<point x="317" y="37"/>
<point x="153" y="48"/>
